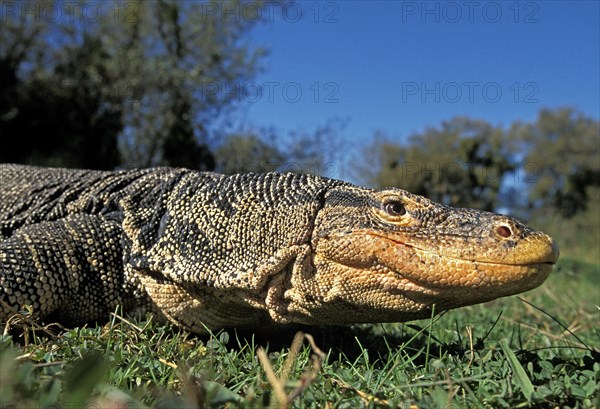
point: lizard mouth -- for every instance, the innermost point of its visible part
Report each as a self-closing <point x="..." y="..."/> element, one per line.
<point x="542" y="251"/>
<point x="473" y="259"/>
<point x="431" y="269"/>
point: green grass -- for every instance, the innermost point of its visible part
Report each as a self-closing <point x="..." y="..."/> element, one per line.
<point x="537" y="350"/>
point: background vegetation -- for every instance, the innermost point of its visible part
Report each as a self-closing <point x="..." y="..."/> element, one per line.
<point x="143" y="87"/>
<point x="538" y="350"/>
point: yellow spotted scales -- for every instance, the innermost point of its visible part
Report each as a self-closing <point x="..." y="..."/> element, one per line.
<point x="205" y="250"/>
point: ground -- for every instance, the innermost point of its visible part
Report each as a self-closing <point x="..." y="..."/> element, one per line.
<point x="539" y="349"/>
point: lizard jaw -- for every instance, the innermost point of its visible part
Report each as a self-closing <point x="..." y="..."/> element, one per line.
<point x="518" y="270"/>
<point x="389" y="295"/>
<point x="399" y="282"/>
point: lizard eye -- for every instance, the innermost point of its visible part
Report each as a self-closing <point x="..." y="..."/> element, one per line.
<point x="394" y="208"/>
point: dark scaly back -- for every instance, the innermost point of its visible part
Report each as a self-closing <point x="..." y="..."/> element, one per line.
<point x="61" y="241"/>
<point x="87" y="241"/>
<point x="30" y="194"/>
<point x="211" y="229"/>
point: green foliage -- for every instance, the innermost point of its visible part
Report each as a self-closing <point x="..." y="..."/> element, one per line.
<point x="502" y="354"/>
<point x="307" y="151"/>
<point x="578" y="236"/>
<point x="242" y="153"/>
<point x="461" y="163"/>
<point x="559" y="159"/>
<point x="180" y="64"/>
<point x="139" y="86"/>
<point x="521" y="377"/>
<point x="318" y="151"/>
<point x="560" y="154"/>
<point x="59" y="116"/>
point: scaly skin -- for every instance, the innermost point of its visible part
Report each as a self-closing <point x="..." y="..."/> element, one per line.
<point x="373" y="266"/>
<point x="207" y="251"/>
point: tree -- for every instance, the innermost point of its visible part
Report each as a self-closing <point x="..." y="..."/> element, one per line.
<point x="317" y="151"/>
<point x="560" y="160"/>
<point x="59" y="118"/>
<point x="461" y="163"/>
<point x="191" y="62"/>
<point x="247" y="152"/>
<point x="313" y="151"/>
<point x="180" y="146"/>
<point x="145" y="80"/>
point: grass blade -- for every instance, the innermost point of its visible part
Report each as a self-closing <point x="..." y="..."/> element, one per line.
<point x="520" y="375"/>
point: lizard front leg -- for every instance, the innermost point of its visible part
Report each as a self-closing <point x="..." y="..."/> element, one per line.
<point x="69" y="270"/>
<point x="253" y="299"/>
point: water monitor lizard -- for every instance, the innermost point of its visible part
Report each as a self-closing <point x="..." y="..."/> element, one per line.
<point x="205" y="250"/>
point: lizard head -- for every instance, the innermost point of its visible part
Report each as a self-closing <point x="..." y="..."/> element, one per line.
<point x="391" y="255"/>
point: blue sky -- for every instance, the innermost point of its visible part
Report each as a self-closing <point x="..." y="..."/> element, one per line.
<point x="400" y="66"/>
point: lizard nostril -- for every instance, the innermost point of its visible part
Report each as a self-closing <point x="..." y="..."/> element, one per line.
<point x="504" y="231"/>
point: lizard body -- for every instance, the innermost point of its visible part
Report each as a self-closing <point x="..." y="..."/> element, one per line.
<point x="205" y="250"/>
